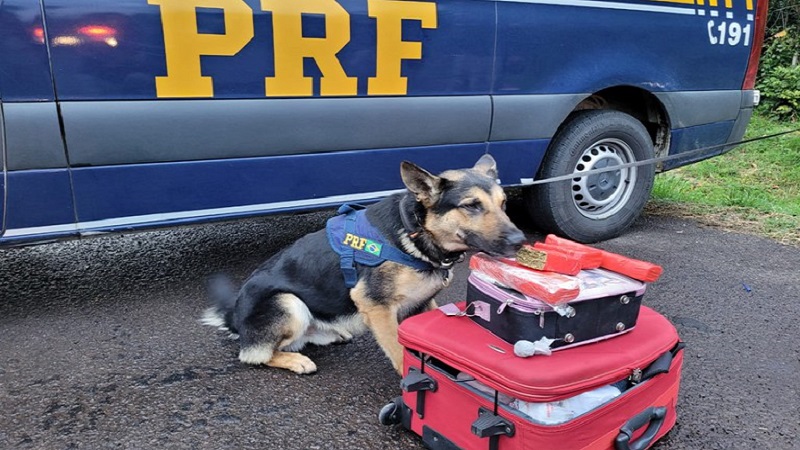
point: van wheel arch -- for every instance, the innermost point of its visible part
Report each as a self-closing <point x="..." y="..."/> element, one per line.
<point x="636" y="102"/>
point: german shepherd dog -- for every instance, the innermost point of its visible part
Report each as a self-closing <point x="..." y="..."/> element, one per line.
<point x="299" y="296"/>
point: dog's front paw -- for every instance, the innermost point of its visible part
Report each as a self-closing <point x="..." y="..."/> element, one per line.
<point x="303" y="367"/>
<point x="296" y="362"/>
<point x="344" y="338"/>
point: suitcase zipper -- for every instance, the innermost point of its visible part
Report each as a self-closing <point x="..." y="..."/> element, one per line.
<point x="636" y="376"/>
<point x="503" y="305"/>
<point x="605" y="378"/>
<point x="562" y="310"/>
<point x="535" y="312"/>
<point x="510" y="301"/>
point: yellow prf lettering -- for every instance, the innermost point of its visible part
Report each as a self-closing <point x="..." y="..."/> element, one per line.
<point x="183" y="44"/>
<point x="348" y="239"/>
<point x="291" y="47"/>
<point x="391" y="49"/>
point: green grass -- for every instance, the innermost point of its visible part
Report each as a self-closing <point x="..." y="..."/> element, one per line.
<point x="755" y="187"/>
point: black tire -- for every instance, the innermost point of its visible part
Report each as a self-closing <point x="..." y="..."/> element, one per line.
<point x="389" y="414"/>
<point x="597" y="207"/>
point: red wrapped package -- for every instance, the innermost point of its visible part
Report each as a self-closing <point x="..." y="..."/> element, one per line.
<point x="549" y="287"/>
<point x="588" y="259"/>
<point x="593" y="254"/>
<point x="634" y="268"/>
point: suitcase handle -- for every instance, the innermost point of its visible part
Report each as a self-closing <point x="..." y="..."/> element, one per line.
<point x="654" y="416"/>
<point x="662" y="364"/>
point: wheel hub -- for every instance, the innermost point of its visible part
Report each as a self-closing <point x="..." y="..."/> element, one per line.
<point x="601" y="195"/>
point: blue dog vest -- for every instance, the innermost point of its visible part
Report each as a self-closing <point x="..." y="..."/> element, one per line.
<point x="358" y="242"/>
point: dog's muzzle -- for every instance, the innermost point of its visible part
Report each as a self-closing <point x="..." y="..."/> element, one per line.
<point x="506" y="245"/>
<point x="513" y="242"/>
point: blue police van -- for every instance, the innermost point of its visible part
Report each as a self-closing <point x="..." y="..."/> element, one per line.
<point x="130" y="114"/>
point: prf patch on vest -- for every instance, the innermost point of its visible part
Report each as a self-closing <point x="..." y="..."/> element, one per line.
<point x="363" y="244"/>
<point x="357" y="241"/>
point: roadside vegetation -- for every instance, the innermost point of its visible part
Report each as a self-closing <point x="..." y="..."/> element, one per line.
<point x="756" y="187"/>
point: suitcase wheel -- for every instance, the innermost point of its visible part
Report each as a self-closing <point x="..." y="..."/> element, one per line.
<point x="390" y="413"/>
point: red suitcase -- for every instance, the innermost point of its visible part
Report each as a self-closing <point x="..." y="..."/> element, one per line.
<point x="459" y="378"/>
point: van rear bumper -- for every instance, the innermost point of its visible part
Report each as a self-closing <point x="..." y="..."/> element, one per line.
<point x="750" y="100"/>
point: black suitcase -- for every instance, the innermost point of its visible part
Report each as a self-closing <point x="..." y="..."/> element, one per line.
<point x="607" y="306"/>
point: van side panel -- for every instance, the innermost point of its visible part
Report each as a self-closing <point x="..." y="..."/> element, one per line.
<point x="111" y="132"/>
<point x="163" y="193"/>
<point x="38" y="196"/>
<point x="39" y="202"/>
<point x="26" y="75"/>
<point x="120" y="57"/>
<point x="570" y="46"/>
<point x="185" y="131"/>
<point x="253" y="142"/>
<point x="39" y="188"/>
<point x="247" y="187"/>
<point x="34" y="136"/>
<point x="692" y="57"/>
<point x="691" y="138"/>
<point x="2" y="170"/>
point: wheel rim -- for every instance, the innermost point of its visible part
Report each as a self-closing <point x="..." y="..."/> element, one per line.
<point x="602" y="195"/>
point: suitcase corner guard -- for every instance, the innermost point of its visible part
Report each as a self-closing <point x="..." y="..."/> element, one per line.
<point x="419" y="382"/>
<point x="489" y="424"/>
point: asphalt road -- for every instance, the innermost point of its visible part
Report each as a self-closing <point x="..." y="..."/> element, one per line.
<point x="100" y="346"/>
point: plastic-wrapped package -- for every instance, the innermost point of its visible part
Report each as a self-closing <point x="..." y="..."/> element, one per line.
<point x="549" y="287"/>
<point x="552" y="413"/>
<point x="548" y="413"/>
<point x="588" y="259"/>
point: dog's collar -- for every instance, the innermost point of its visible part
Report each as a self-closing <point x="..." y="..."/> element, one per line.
<point x="449" y="262"/>
<point x="414" y="229"/>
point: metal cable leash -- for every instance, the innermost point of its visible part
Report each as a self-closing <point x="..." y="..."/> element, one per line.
<point x="645" y="162"/>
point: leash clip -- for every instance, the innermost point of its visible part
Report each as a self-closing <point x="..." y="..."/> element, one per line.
<point x="446" y="278"/>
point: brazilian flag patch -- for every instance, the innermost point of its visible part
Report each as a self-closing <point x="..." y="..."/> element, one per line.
<point x="373" y="248"/>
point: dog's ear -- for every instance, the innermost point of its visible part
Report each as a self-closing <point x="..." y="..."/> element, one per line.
<point x="487" y="166"/>
<point x="424" y="185"/>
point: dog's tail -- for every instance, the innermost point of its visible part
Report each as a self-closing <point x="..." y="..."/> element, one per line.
<point x="222" y="293"/>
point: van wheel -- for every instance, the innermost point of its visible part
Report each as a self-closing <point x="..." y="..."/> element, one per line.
<point x="595" y="207"/>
